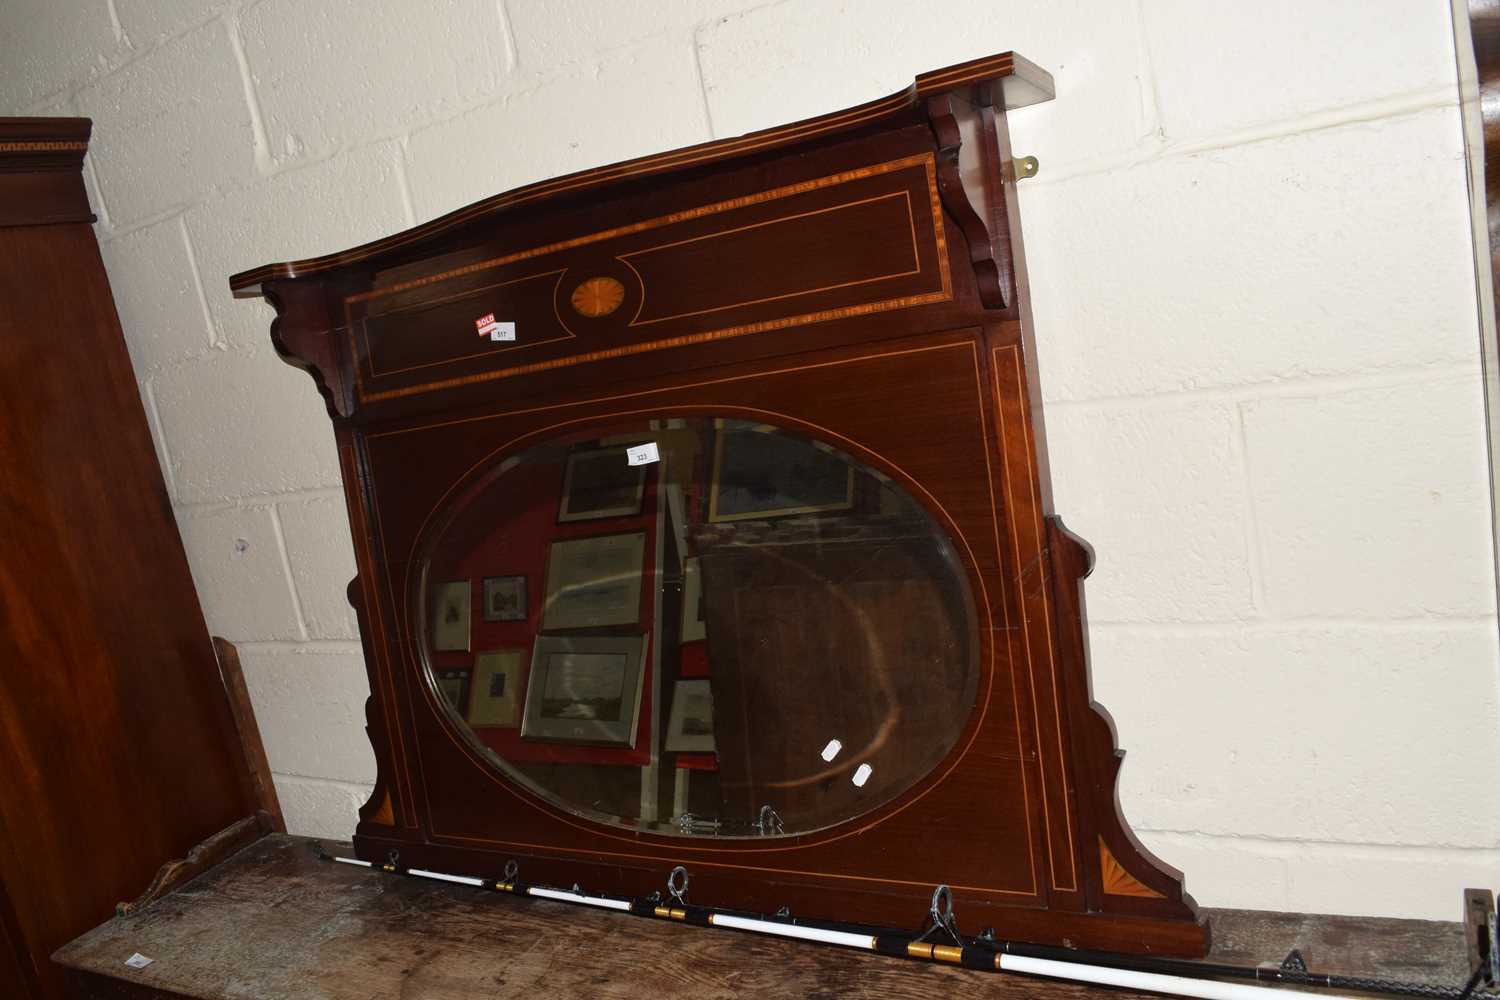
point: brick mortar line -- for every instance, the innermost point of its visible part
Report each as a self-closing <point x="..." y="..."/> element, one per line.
<point x="191" y="252"/>
<point x="1268" y="626"/>
<point x="303" y="647"/>
<point x="159" y="433"/>
<point x="112" y="233"/>
<point x="403" y="181"/>
<point x="116" y="26"/>
<point x="1267" y="841"/>
<point x="261" y="143"/>
<point x="256" y="501"/>
<point x="1383" y="109"/>
<point x="1254" y="556"/>
<point x="1289" y="387"/>
<point x="286" y="570"/>
<point x="512" y="45"/>
<point x="708" y="112"/>
<point x="316" y="779"/>
<point x="1150" y="91"/>
<point x="93" y="187"/>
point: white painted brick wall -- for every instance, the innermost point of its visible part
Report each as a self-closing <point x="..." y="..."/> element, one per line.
<point x="316" y="699"/>
<point x="1220" y="66"/>
<point x="359" y="197"/>
<point x="239" y="425"/>
<point x="1173" y="515"/>
<point x="395" y="65"/>
<point x="1264" y="260"/>
<point x="759" y="67"/>
<point x="320" y="549"/>
<point x="240" y="571"/>
<point x="144" y="112"/>
<point x="533" y="134"/>
<point x="1253" y="295"/>
<point x="158" y="295"/>
<point x="1328" y="509"/>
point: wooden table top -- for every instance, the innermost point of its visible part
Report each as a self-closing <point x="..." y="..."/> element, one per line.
<point x="274" y="922"/>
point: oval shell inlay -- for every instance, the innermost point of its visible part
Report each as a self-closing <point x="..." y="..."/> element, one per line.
<point x="598" y="297"/>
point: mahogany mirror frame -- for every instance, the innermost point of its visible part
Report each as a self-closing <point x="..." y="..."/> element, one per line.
<point x="921" y="365"/>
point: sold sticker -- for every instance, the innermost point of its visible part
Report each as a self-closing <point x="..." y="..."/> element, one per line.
<point x="489" y="327"/>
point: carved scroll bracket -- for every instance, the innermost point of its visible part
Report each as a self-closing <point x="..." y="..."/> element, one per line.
<point x="992" y="275"/>
<point x="304" y="336"/>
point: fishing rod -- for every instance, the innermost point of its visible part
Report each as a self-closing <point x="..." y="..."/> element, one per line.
<point x="940" y="941"/>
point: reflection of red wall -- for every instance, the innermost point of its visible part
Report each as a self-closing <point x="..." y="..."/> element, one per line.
<point x="694" y="659"/>
<point x="506" y="532"/>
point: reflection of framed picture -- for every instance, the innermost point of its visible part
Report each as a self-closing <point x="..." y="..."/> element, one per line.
<point x="505" y="598"/>
<point x="585" y="689"/>
<point x="450" y="616"/>
<point x="601" y="483"/>
<point x="594" y="581"/>
<point x="497" y="689"/>
<point x="693" y="628"/>
<point x="759" y="471"/>
<point x="690" y="728"/>
<point x="455" y="687"/>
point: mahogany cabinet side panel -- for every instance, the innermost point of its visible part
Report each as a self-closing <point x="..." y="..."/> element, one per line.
<point x="119" y="746"/>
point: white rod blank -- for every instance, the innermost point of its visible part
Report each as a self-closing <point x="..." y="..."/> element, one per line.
<point x="1205" y="989"/>
<point x="354" y="861"/>
<point x="460" y="879"/>
<point x="844" y="938"/>
<point x="573" y="897"/>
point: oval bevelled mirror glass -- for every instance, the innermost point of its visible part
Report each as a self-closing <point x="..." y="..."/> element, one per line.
<point x="702" y="627"/>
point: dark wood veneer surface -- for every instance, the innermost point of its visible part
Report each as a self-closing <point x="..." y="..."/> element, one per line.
<point x="41" y="179"/>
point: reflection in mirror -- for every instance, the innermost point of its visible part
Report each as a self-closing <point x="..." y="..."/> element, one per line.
<point x="738" y="632"/>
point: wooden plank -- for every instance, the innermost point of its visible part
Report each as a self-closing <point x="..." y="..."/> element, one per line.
<point x="275" y="922"/>
<point x="255" y="771"/>
<point x="213" y="851"/>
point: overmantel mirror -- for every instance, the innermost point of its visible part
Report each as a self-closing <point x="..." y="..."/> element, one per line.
<point x="701" y="517"/>
<point x="750" y="633"/>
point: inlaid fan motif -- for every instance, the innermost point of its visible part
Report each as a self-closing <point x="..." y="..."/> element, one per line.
<point x="598" y="297"/>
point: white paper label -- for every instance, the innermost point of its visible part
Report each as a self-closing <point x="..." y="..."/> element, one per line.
<point x="502" y="331"/>
<point x="862" y="775"/>
<point x="138" y="961"/>
<point x="642" y="454"/>
<point x="832" y="750"/>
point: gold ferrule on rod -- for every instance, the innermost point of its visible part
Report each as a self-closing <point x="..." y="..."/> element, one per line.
<point x="935" y="952"/>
